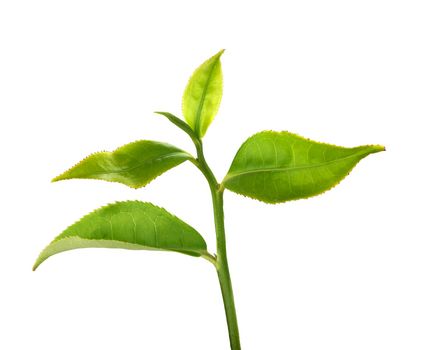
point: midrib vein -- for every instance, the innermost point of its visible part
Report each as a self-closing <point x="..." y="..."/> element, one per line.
<point x="144" y="163"/>
<point x="201" y="102"/>
<point x="288" y="168"/>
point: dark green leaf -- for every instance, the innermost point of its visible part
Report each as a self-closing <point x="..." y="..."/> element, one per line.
<point x="203" y="93"/>
<point x="128" y="225"/>
<point x="275" y="167"/>
<point x="134" y="165"/>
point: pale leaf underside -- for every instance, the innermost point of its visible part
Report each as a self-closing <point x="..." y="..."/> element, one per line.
<point x="128" y="225"/>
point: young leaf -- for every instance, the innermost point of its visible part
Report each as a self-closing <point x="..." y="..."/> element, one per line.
<point x="134" y="164"/>
<point x="202" y="96"/>
<point x="181" y="124"/>
<point x="275" y="167"/>
<point x="128" y="225"/>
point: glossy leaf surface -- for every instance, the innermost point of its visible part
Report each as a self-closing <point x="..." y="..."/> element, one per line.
<point x="128" y="225"/>
<point x="134" y="165"/>
<point x="275" y="167"/>
<point x="202" y="96"/>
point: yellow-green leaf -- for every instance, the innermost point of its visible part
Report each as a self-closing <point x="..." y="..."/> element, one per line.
<point x="203" y="93"/>
<point x="134" y="164"/>
<point x="128" y="225"/>
<point x="275" y="167"/>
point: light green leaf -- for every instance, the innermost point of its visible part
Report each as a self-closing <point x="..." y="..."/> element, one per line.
<point x="128" y="225"/>
<point x="203" y="93"/>
<point x="134" y="165"/>
<point x="275" y="167"/>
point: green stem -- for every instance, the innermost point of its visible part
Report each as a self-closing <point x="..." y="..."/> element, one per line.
<point x="223" y="272"/>
<point x="221" y="259"/>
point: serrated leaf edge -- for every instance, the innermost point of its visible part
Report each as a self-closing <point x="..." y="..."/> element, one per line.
<point x="58" y="238"/>
<point x="61" y="177"/>
<point x="379" y="148"/>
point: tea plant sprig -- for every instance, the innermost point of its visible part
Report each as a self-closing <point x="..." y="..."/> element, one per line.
<point x="272" y="167"/>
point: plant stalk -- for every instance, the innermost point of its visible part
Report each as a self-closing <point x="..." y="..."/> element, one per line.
<point x="223" y="272"/>
<point x="222" y="265"/>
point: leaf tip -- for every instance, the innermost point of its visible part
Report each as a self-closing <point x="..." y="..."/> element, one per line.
<point x="217" y="56"/>
<point x="63" y="176"/>
<point x="56" y="179"/>
<point x="36" y="265"/>
<point x="377" y="148"/>
<point x="40" y="259"/>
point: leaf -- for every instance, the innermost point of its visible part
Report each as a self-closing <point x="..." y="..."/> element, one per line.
<point x="134" y="164"/>
<point x="181" y="124"/>
<point x="128" y="225"/>
<point x="203" y="93"/>
<point x="275" y="167"/>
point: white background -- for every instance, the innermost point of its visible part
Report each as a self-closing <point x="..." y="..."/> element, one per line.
<point x="346" y="270"/>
